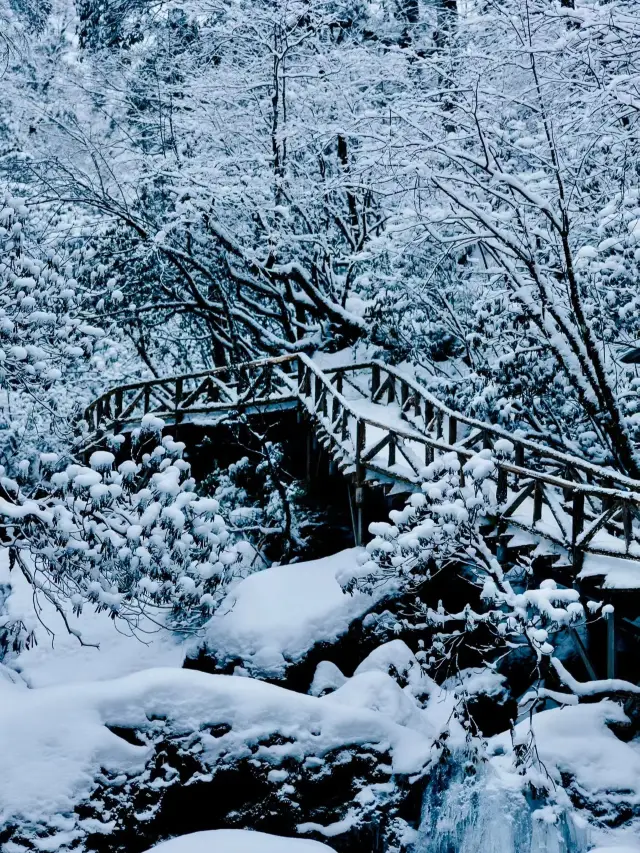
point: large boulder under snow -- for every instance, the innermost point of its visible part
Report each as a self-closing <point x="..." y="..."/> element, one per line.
<point x="115" y="765"/>
<point x="272" y="618"/>
<point x="238" y="841"/>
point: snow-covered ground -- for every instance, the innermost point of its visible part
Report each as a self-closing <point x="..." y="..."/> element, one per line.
<point x="56" y="737"/>
<point x="57" y="657"/>
<point x="238" y="841"/>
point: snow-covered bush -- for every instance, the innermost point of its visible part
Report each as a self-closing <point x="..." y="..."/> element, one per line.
<point x="438" y="526"/>
<point x="262" y="503"/>
<point x="40" y="330"/>
<point x="131" y="539"/>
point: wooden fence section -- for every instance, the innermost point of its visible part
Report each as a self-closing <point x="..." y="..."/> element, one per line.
<point x="380" y="426"/>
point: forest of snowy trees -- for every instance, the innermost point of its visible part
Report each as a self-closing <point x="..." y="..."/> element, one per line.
<point x="256" y="257"/>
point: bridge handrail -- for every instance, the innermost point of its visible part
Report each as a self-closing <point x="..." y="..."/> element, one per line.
<point x="520" y="471"/>
<point x="630" y="491"/>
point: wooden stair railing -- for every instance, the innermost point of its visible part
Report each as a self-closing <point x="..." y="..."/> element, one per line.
<point x="569" y="501"/>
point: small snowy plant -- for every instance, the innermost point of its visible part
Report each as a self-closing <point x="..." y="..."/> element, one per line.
<point x="130" y="539"/>
<point x="437" y="527"/>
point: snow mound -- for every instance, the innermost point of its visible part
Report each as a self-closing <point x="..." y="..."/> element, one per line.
<point x="238" y="841"/>
<point x="54" y="741"/>
<point x="272" y="618"/>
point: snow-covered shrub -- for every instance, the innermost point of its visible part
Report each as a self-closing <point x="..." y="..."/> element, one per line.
<point x="437" y="527"/>
<point x="129" y="539"/>
<point x="263" y="504"/>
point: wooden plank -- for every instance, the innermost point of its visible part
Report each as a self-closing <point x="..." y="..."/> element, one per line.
<point x="373" y="452"/>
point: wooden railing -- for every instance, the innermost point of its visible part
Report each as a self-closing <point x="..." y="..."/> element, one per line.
<point x="380" y="425"/>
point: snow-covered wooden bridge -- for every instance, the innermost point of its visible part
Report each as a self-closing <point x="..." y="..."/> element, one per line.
<point x="382" y="428"/>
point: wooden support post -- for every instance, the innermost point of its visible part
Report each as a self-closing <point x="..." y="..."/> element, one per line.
<point x="438" y="424"/>
<point x="453" y="430"/>
<point x="375" y="380"/>
<point x="317" y="389"/>
<point x="537" y="501"/>
<point x="502" y="490"/>
<point x="577" y="527"/>
<point x="339" y="382"/>
<point x="118" y="403"/>
<point x="392" y="451"/>
<point x="583" y="654"/>
<point x="486" y="440"/>
<point x="147" y="399"/>
<point x="309" y="453"/>
<point x="627" y="519"/>
<point x="301" y="371"/>
<point x="611" y="645"/>
<point x="361" y="440"/>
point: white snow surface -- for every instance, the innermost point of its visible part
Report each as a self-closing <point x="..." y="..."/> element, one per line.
<point x="238" y="841"/>
<point x="273" y="617"/>
<point x="59" y="658"/>
<point x="54" y="740"/>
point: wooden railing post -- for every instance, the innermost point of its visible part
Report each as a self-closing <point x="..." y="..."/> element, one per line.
<point x="118" y="402"/>
<point x="502" y="490"/>
<point x="627" y="519"/>
<point x="537" y="501"/>
<point x="428" y="454"/>
<point x="417" y="409"/>
<point x="392" y="451"/>
<point x="375" y="380"/>
<point x="453" y="430"/>
<point x="404" y="394"/>
<point x="391" y="390"/>
<point x="519" y="461"/>
<point x="577" y="527"/>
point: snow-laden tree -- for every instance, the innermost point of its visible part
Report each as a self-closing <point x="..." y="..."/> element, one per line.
<point x="527" y="182"/>
<point x="237" y="155"/>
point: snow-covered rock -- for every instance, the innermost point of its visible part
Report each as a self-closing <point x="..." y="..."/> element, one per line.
<point x="103" y="747"/>
<point x="272" y="618"/>
<point x="238" y="841"/>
